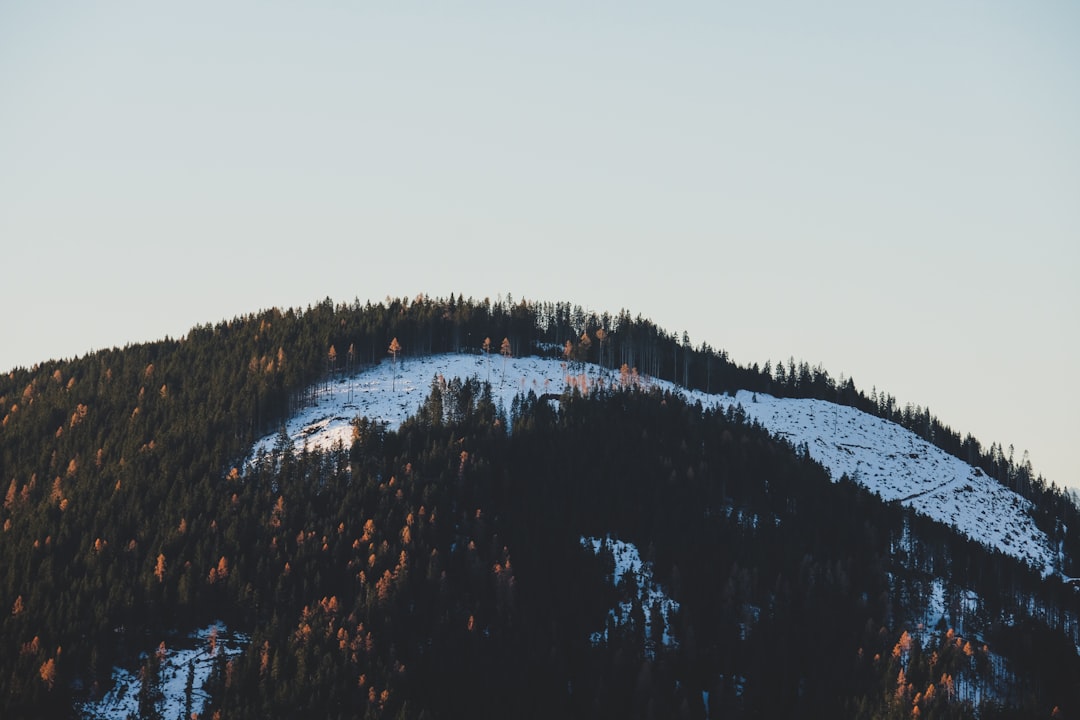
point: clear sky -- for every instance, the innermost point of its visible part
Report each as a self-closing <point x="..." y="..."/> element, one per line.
<point x="889" y="189"/>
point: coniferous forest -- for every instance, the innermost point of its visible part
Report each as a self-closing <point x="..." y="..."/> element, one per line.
<point x="439" y="571"/>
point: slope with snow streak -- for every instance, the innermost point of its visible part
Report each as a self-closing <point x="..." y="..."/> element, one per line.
<point x="190" y="660"/>
<point x="899" y="465"/>
<point x="650" y="595"/>
<point x="881" y="455"/>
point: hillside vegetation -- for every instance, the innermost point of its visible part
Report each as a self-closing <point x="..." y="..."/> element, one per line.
<point x="439" y="570"/>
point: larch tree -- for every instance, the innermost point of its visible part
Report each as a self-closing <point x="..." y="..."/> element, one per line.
<point x="331" y="366"/>
<point x="395" y="348"/>
<point x="583" y="347"/>
<point x="48" y="672"/>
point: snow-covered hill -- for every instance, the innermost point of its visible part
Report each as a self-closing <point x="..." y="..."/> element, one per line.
<point x="883" y="456"/>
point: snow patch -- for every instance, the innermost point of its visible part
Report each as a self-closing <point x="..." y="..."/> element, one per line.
<point x="390" y="393"/>
<point x="192" y="659"/>
<point x="628" y="564"/>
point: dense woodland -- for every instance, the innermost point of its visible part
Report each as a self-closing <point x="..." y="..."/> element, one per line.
<point x="438" y="571"/>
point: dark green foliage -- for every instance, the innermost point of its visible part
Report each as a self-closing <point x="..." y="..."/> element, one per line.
<point x="469" y="594"/>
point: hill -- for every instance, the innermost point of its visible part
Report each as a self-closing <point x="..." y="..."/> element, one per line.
<point x="591" y="518"/>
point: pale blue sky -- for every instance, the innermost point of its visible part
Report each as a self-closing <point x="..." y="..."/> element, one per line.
<point x="890" y="189"/>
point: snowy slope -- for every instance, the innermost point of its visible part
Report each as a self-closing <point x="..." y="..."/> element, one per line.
<point x="389" y="393"/>
<point x="899" y="465"/>
<point x="882" y="456"/>
<point x="649" y="593"/>
<point x="190" y="660"/>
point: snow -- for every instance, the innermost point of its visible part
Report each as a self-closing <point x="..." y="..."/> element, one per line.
<point x="884" y="457"/>
<point x="628" y="562"/>
<point x="192" y="656"/>
<point x="390" y="394"/>
<point x="935" y="610"/>
<point x="958" y="607"/>
<point x="899" y="465"/>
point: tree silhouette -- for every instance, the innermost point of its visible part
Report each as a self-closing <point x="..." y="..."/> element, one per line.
<point x="331" y="366"/>
<point x="486" y="347"/>
<point x="504" y="349"/>
<point x="395" y="348"/>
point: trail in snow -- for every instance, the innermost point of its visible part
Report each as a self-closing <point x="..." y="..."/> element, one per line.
<point x="921" y="493"/>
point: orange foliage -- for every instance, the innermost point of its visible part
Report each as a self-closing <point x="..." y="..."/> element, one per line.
<point x="48" y="672"/>
<point x="32" y="647"/>
<point x="382" y="587"/>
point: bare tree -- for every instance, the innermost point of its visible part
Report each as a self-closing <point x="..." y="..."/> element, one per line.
<point x="395" y="348"/>
<point x="487" y="354"/>
<point x="504" y="349"/>
<point x="350" y="358"/>
<point x="331" y="366"/>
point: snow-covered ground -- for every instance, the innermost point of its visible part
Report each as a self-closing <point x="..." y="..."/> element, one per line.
<point x="882" y="456"/>
<point x="899" y="465"/>
<point x="954" y="608"/>
<point x="191" y="659"/>
<point x="628" y="561"/>
<point x="391" y="393"/>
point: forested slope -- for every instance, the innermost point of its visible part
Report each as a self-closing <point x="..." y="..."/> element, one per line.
<point x="439" y="570"/>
